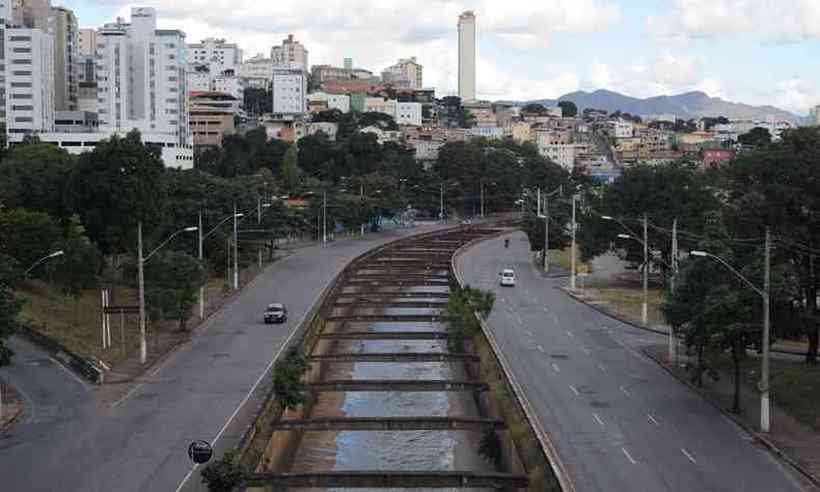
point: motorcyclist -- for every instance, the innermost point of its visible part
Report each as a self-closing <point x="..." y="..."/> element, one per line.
<point x="506" y="243"/>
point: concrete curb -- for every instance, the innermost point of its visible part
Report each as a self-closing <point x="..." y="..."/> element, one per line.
<point x="13" y="420"/>
<point x="610" y="314"/>
<point x="772" y="447"/>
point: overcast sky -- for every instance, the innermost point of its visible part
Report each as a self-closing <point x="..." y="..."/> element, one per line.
<point x="753" y="51"/>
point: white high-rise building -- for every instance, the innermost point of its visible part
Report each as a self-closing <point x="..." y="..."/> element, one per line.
<point x="5" y="20"/>
<point x="215" y="54"/>
<point x="257" y="72"/>
<point x="814" y="115"/>
<point x="141" y="83"/>
<point x="29" y="60"/>
<point x="66" y="59"/>
<point x="289" y="91"/>
<point x="291" y="54"/>
<point x="466" y="56"/>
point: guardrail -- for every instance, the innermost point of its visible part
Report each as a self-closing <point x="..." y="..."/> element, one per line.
<point x="547" y="447"/>
<point x="80" y="365"/>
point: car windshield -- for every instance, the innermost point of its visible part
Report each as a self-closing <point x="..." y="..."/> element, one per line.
<point x="275" y="309"/>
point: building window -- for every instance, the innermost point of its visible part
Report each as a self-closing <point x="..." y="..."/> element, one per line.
<point x="21" y="96"/>
<point x="23" y="119"/>
<point x="20" y="38"/>
<point x="21" y="61"/>
<point x="22" y="108"/>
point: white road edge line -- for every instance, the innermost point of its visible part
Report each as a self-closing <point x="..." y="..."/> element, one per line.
<point x="259" y="380"/>
<point x="540" y="349"/>
<point x="629" y="457"/>
<point x="67" y="371"/>
<point x="574" y="390"/>
<point x="598" y="419"/>
<point x="570" y="334"/>
<point x="529" y="333"/>
<point x="601" y="367"/>
<point x="555" y="367"/>
<point x="686" y="453"/>
<point x="627" y="393"/>
<point x="652" y="419"/>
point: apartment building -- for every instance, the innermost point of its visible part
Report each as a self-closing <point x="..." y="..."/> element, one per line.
<point x="332" y="101"/>
<point x="408" y="113"/>
<point x="29" y="77"/>
<point x="289" y="91"/>
<point x="217" y="54"/>
<point x="5" y="21"/>
<point x="87" y="42"/>
<point x="66" y="59"/>
<point x="407" y="73"/>
<point x="380" y="105"/>
<point x="290" y="54"/>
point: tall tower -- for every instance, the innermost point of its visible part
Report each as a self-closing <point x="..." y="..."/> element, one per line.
<point x="466" y="56"/>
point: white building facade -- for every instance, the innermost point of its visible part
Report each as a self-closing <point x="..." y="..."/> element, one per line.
<point x="257" y="72"/>
<point x="289" y="91"/>
<point x="466" y="56"/>
<point x="141" y="74"/>
<point x="380" y="105"/>
<point x="334" y="101"/>
<point x="229" y="84"/>
<point x="217" y="54"/>
<point x="29" y="77"/>
<point x="408" y="113"/>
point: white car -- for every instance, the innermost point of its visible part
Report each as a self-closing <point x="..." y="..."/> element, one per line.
<point x="508" y="278"/>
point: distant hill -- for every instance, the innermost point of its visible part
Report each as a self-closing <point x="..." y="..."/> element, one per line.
<point x="685" y="106"/>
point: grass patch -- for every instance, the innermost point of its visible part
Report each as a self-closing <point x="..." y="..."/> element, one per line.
<point x="628" y="302"/>
<point x="563" y="258"/>
<point x="77" y="324"/>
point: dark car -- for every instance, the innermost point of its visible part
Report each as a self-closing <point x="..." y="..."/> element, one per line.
<point x="276" y="313"/>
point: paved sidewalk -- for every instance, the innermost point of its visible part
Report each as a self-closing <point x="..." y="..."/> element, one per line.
<point x="797" y="441"/>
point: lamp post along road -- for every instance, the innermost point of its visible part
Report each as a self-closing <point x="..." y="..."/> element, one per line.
<point x="572" y="252"/>
<point x="141" y="279"/>
<point x="645" y="304"/>
<point x="673" y="345"/>
<point x="765" y="293"/>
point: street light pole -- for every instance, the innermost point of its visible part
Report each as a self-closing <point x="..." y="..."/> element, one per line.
<point x="441" y="204"/>
<point x="361" y="196"/>
<point x="482" y="199"/>
<point x="672" y="355"/>
<point x="765" y="293"/>
<point x="235" y="251"/>
<point x="764" y="370"/>
<point x="201" y="261"/>
<point x="141" y="280"/>
<point x="645" y="304"/>
<point x="546" y="235"/>
<point x="572" y="253"/>
<point x="324" y="218"/>
<point x="259" y="223"/>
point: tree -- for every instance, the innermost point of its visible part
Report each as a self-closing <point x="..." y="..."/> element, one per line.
<point x="224" y="475"/>
<point x="35" y="176"/>
<point x="27" y="236"/>
<point x="778" y="186"/>
<point x="568" y="109"/>
<point x="664" y="193"/>
<point x="290" y="169"/>
<point x="466" y="118"/>
<point x="756" y="137"/>
<point x="172" y="281"/>
<point x="10" y="274"/>
<point x="117" y="185"/>
<point x="328" y="116"/>
<point x="534" y="109"/>
<point x="258" y="101"/>
<point x="76" y="270"/>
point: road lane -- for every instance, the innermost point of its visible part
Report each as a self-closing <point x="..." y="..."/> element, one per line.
<point x="618" y="421"/>
<point x="140" y="443"/>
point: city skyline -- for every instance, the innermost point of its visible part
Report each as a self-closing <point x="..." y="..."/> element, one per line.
<point x="531" y="51"/>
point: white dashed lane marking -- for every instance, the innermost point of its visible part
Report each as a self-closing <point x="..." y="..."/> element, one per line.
<point x="598" y="419"/>
<point x="689" y="456"/>
<point x="629" y="456"/>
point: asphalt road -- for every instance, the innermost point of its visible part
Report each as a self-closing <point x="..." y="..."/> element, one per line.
<point x="72" y="440"/>
<point x="617" y="419"/>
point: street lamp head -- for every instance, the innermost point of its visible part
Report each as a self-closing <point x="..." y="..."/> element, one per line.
<point x="266" y="205"/>
<point x="607" y="217"/>
<point x="239" y="215"/>
<point x="699" y="253"/>
<point x="56" y="253"/>
<point x="624" y="236"/>
<point x="542" y="216"/>
<point x="190" y="229"/>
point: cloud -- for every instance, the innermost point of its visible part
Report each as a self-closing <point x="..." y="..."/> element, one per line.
<point x="375" y="33"/>
<point x="667" y="74"/>
<point x="770" y="20"/>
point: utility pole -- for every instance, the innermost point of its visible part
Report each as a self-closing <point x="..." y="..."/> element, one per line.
<point x="482" y="199"/>
<point x="546" y="235"/>
<point x="141" y="277"/>
<point x="201" y="287"/>
<point x="441" y="203"/>
<point x="324" y="217"/>
<point x="235" y="251"/>
<point x="361" y="200"/>
<point x="645" y="304"/>
<point x="764" y="370"/>
<point x="539" y="201"/>
<point x="259" y="223"/>
<point x="572" y="253"/>
<point x="672" y="281"/>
